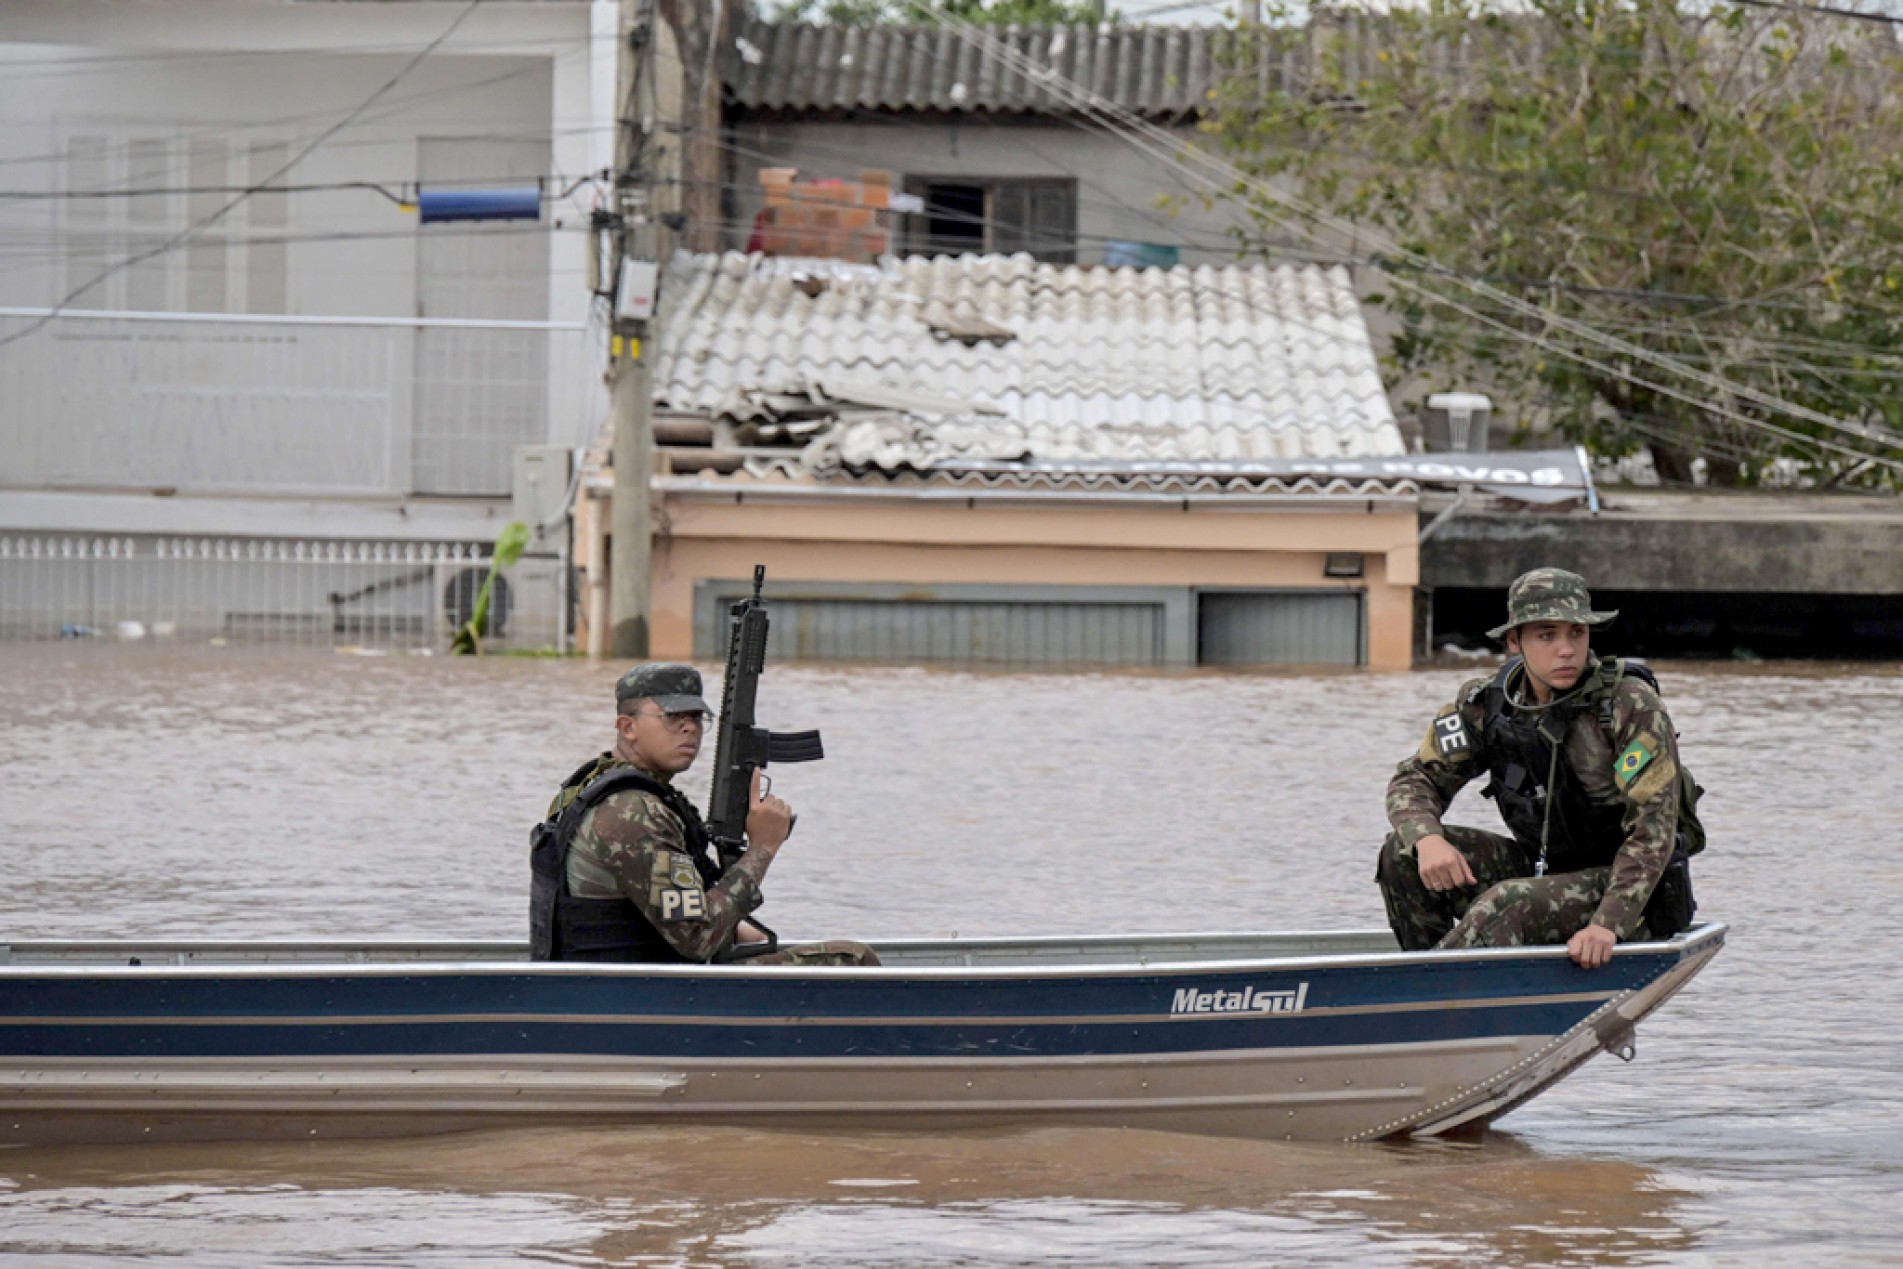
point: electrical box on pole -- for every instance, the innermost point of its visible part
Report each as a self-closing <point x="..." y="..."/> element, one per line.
<point x="639" y="287"/>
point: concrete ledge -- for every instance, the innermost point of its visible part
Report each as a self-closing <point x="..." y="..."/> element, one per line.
<point x="1705" y="543"/>
<point x="193" y="515"/>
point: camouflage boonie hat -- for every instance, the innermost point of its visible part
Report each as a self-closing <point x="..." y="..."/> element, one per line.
<point x="675" y="688"/>
<point x="1549" y="594"/>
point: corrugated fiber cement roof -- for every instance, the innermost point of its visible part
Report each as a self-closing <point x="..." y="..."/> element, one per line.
<point x="1214" y="363"/>
<point x="1162" y="72"/>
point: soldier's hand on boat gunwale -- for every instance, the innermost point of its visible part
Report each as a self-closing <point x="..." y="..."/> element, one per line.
<point x="769" y="819"/>
<point x="1592" y="946"/>
<point x="1442" y="865"/>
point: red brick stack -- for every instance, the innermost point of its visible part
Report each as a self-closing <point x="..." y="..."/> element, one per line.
<point x="831" y="218"/>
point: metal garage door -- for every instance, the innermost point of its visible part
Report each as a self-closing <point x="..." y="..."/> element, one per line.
<point x="1279" y="628"/>
<point x="963" y="631"/>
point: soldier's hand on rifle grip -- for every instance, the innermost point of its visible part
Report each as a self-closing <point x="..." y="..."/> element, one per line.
<point x="769" y="819"/>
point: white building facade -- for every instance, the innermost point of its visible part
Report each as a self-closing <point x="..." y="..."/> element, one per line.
<point x="190" y="356"/>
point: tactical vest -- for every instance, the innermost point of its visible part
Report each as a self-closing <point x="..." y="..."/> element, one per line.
<point x="1518" y="747"/>
<point x="565" y="928"/>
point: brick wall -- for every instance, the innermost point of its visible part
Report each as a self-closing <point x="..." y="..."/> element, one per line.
<point x="844" y="220"/>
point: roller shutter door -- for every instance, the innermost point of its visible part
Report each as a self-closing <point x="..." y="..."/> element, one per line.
<point x="954" y="631"/>
<point x="1289" y="628"/>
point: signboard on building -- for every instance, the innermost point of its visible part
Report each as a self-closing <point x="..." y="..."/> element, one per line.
<point x="1552" y="475"/>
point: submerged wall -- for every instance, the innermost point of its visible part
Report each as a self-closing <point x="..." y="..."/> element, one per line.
<point x="1694" y="574"/>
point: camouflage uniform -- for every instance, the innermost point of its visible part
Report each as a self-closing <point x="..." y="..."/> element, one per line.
<point x="1631" y="764"/>
<point x="634" y="847"/>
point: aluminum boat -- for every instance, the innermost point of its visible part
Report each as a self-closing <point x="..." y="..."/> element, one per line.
<point x="1305" y="1036"/>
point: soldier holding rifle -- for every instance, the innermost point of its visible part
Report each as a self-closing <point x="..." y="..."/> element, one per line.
<point x="624" y="868"/>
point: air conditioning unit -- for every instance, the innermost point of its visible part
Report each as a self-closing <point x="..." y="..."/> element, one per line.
<point x="526" y="604"/>
<point x="1456" y="422"/>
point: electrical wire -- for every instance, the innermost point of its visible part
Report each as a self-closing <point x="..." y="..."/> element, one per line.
<point x="1515" y="332"/>
<point x="1825" y="10"/>
<point x="1108" y="201"/>
<point x="338" y="237"/>
<point x="1225" y="179"/>
<point x="1230" y="243"/>
<point x="167" y="57"/>
<point x="1386" y="264"/>
<point x="391" y="106"/>
<point x="1035" y="246"/>
<point x="22" y="69"/>
<point x="919" y="49"/>
<point x="543" y="182"/>
<point x="214" y="217"/>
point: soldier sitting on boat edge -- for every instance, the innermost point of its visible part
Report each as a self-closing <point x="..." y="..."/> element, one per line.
<point x="622" y="870"/>
<point x="1582" y="761"/>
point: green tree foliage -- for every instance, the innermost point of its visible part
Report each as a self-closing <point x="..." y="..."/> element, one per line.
<point x="1713" y="183"/>
<point x="905" y="13"/>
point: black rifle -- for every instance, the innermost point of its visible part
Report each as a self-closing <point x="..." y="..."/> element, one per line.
<point x="743" y="747"/>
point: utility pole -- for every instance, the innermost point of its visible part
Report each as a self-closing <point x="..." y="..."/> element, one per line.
<point x="630" y="353"/>
<point x="631" y="399"/>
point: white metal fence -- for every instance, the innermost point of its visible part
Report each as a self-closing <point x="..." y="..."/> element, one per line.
<point x="379" y="594"/>
<point x="235" y="403"/>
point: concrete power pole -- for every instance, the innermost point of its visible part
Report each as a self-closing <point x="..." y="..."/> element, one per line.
<point x="629" y="564"/>
<point x="630" y="353"/>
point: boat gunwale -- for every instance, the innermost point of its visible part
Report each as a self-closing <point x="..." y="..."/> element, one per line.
<point x="1680" y="945"/>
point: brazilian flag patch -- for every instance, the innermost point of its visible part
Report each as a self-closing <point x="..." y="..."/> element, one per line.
<point x="1634" y="760"/>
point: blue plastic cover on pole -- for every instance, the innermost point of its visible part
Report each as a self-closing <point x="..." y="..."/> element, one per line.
<point x="517" y="202"/>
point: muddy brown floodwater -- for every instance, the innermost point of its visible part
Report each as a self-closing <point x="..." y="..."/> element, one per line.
<point x="149" y="791"/>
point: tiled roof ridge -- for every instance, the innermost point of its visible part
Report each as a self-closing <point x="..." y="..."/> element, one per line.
<point x="790" y="471"/>
<point x="1090" y="481"/>
<point x="1326" y="287"/>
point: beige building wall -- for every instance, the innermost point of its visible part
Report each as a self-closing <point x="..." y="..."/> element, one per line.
<point x="817" y="535"/>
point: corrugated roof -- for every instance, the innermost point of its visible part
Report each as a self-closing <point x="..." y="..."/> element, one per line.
<point x="1166" y="73"/>
<point x="794" y="67"/>
<point x="1234" y="362"/>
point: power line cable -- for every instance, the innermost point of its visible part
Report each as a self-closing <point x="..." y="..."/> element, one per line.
<point x="1038" y="246"/>
<point x="320" y="237"/>
<point x="1166" y="154"/>
<point x="1826" y="10"/>
<point x="1373" y="260"/>
<point x="1230" y="243"/>
<point x="214" y="217"/>
<point x="1376" y="261"/>
<point x="1672" y="200"/>
<point x="1108" y="199"/>
<point x="391" y="106"/>
<point x="119" y="63"/>
<point x="563" y="185"/>
<point x="1034" y="247"/>
<point x="1668" y="390"/>
<point x="1225" y="179"/>
<point x="910" y="39"/>
<point x="1386" y="264"/>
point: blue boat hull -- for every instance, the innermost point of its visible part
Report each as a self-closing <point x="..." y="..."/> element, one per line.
<point x="1202" y="1033"/>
